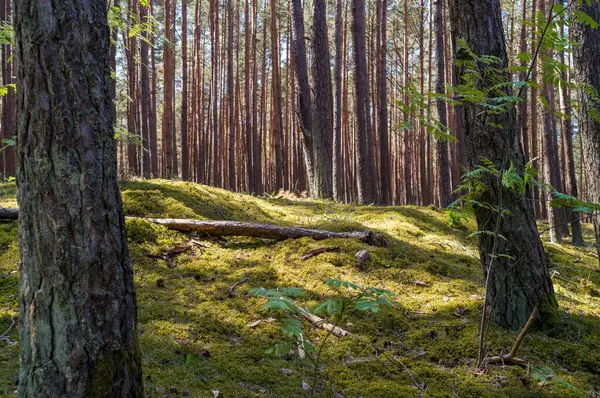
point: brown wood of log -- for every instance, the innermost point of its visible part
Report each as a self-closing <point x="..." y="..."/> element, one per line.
<point x="236" y="228"/>
<point x="9" y="214"/>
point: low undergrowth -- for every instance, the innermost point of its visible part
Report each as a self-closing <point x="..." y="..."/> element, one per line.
<point x="202" y="332"/>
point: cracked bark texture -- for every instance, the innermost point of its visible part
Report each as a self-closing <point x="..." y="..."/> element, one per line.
<point x="77" y="313"/>
<point x="587" y="71"/>
<point x="519" y="279"/>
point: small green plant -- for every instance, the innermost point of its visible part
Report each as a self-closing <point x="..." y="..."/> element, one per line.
<point x="347" y="297"/>
<point x="455" y="219"/>
<point x="545" y="375"/>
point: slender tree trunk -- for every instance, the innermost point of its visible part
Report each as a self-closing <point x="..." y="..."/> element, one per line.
<point x="407" y="176"/>
<point x="230" y="97"/>
<point x="185" y="147"/>
<point x="550" y="153"/>
<point x="338" y="166"/>
<point x="145" y="98"/>
<point x="519" y="280"/>
<point x="569" y="157"/>
<point x="382" y="110"/>
<point x="534" y="113"/>
<point x="522" y="108"/>
<point x="256" y="148"/>
<point x="132" y="105"/>
<point x="444" y="192"/>
<point x="276" y="116"/>
<point x="304" y="95"/>
<point x="168" y="88"/>
<point x="215" y="160"/>
<point x="77" y="310"/>
<point x="587" y="71"/>
<point x="153" y="134"/>
<point x="8" y="108"/>
<point x="322" y="111"/>
<point x="367" y="187"/>
<point x="248" y="126"/>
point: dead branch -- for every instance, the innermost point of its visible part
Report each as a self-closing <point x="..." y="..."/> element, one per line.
<point x="320" y="322"/>
<point x="511" y="358"/>
<point x="170" y="254"/>
<point x="231" y="290"/>
<point x="318" y="251"/>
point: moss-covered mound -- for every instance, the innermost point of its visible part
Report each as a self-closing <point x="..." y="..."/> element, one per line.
<point x="199" y="335"/>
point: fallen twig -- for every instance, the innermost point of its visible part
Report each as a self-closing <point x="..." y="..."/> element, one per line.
<point x="170" y="254"/>
<point x="3" y="336"/>
<point x="231" y="290"/>
<point x="318" y="251"/>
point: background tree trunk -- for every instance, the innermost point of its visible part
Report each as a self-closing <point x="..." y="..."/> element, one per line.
<point x="440" y="87"/>
<point x="168" y="92"/>
<point x="304" y="95"/>
<point x="366" y="177"/>
<point x="587" y="71"/>
<point x="185" y="147"/>
<point x="322" y="111"/>
<point x="382" y="110"/>
<point x="567" y="143"/>
<point x="77" y="310"/>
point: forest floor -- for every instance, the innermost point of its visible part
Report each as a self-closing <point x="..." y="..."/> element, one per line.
<point x="203" y="335"/>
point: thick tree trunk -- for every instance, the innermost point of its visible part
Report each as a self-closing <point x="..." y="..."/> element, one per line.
<point x="322" y="111"/>
<point x="366" y="173"/>
<point x="77" y="311"/>
<point x="519" y="280"/>
<point x="587" y="70"/>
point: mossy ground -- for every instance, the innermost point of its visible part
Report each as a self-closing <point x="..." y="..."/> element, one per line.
<point x="195" y="337"/>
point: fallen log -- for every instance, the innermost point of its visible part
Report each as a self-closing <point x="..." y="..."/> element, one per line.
<point x="9" y="214"/>
<point x="237" y="228"/>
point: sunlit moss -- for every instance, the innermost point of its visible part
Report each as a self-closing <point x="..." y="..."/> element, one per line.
<point x="194" y="328"/>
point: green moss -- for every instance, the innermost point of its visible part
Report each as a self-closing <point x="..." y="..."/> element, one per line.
<point x="195" y="336"/>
